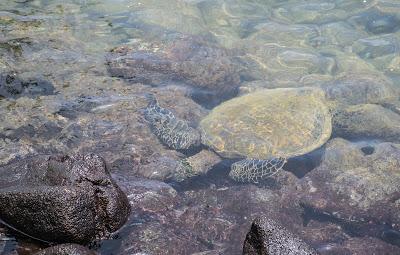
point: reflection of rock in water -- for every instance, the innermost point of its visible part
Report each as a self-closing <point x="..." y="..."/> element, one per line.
<point x="189" y="60"/>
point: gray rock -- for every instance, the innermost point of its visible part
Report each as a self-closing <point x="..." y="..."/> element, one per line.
<point x="210" y="219"/>
<point x="367" y="121"/>
<point x="66" y="198"/>
<point x="287" y="35"/>
<point x="340" y="33"/>
<point x="357" y="187"/>
<point x="310" y="12"/>
<point x="198" y="164"/>
<point x="285" y="67"/>
<point x="267" y="237"/>
<point x="185" y="59"/>
<point x="375" y="21"/>
<point x="66" y="249"/>
<point x="360" y="88"/>
<point x="374" y="47"/>
<point x="148" y="195"/>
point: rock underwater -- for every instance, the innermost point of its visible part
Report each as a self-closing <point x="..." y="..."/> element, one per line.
<point x="179" y="59"/>
<point x="356" y="186"/>
<point x="61" y="198"/>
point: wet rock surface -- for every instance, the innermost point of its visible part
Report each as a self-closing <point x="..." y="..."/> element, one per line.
<point x="269" y="237"/>
<point x="61" y="198"/>
<point x="192" y="61"/>
<point x="12" y="86"/>
<point x="66" y="249"/>
<point x="192" y="55"/>
<point x="360" y="193"/>
<point x="367" y="121"/>
<point x="360" y="88"/>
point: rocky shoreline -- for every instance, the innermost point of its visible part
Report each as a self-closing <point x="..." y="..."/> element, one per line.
<point x="82" y="172"/>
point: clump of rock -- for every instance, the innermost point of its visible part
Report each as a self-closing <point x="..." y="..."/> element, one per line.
<point x="62" y="198"/>
<point x="357" y="187"/>
<point x="13" y="86"/>
<point x="66" y="249"/>
<point x="180" y="59"/>
<point x="268" y="237"/>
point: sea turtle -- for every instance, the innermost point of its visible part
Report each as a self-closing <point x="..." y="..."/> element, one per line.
<point x="262" y="129"/>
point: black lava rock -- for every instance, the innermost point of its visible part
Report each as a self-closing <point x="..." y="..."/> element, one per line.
<point x="66" y="249"/>
<point x="267" y="237"/>
<point x="63" y="198"/>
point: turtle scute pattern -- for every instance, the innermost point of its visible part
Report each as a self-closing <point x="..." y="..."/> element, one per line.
<point x="254" y="170"/>
<point x="268" y="124"/>
<point x="173" y="132"/>
<point x="266" y="127"/>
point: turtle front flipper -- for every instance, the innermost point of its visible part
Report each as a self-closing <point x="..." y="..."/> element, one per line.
<point x="253" y="170"/>
<point x="171" y="131"/>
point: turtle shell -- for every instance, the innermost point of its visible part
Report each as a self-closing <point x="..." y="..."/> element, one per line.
<point x="284" y="122"/>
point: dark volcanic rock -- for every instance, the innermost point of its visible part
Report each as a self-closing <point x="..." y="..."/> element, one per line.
<point x="267" y="237"/>
<point x="212" y="219"/>
<point x="12" y="86"/>
<point x="185" y="59"/>
<point x="61" y="198"/>
<point x="66" y="249"/>
<point x="357" y="187"/>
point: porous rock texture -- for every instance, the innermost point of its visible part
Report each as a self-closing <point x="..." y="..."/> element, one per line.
<point x="62" y="198"/>
<point x="66" y="249"/>
<point x="267" y="237"/>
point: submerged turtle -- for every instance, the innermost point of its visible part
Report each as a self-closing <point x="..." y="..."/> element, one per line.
<point x="262" y="129"/>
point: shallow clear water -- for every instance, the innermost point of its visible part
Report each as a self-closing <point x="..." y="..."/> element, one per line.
<point x="351" y="49"/>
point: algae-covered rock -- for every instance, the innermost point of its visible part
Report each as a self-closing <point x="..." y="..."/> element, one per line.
<point x="190" y="60"/>
<point x="360" y="88"/>
<point x="367" y="121"/>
